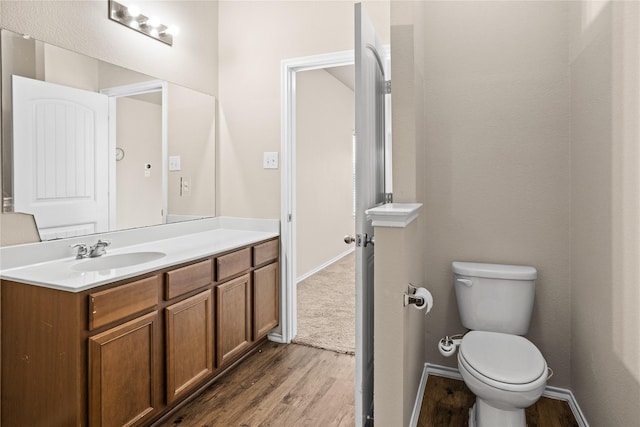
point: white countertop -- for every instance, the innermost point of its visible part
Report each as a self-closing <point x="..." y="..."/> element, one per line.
<point x="202" y="240"/>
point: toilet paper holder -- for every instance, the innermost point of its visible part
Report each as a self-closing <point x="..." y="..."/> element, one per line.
<point x="409" y="297"/>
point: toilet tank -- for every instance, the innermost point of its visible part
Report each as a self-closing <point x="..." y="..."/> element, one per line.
<point x="495" y="297"/>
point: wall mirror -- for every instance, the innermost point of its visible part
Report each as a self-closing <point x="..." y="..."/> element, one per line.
<point x="88" y="146"/>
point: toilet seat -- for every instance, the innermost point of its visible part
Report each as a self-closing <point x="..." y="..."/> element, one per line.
<point x="507" y="362"/>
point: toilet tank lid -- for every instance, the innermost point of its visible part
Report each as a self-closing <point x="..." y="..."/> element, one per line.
<point x="495" y="271"/>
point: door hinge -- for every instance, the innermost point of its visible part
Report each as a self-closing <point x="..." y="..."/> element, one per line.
<point x="388" y="198"/>
<point x="364" y="240"/>
<point x="387" y="87"/>
<point x="289" y="217"/>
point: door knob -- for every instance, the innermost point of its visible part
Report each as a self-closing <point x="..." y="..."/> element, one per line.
<point x="349" y="239"/>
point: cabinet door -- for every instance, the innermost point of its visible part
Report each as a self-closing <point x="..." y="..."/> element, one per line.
<point x="122" y="373"/>
<point x="265" y="300"/>
<point x="233" y="331"/>
<point x="189" y="333"/>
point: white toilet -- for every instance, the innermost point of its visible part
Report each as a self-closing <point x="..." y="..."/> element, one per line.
<point x="505" y="371"/>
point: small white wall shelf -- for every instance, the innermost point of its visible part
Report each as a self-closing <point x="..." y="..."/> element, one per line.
<point x="397" y="215"/>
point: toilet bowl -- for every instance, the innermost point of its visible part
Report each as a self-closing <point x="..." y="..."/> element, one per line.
<point x="507" y="373"/>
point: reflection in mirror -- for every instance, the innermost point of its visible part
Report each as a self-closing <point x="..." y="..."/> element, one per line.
<point x="147" y="127"/>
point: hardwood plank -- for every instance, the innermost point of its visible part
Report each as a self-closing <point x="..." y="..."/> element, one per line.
<point x="550" y="413"/>
<point x="278" y="385"/>
<point x="447" y="402"/>
<point x="294" y="385"/>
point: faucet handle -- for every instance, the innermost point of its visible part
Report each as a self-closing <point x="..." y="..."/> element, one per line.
<point x="103" y="243"/>
<point x="82" y="249"/>
<point x="99" y="248"/>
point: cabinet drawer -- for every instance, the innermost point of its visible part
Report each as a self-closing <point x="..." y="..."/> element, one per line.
<point x="234" y="263"/>
<point x="189" y="278"/>
<point x="265" y="252"/>
<point x="122" y="301"/>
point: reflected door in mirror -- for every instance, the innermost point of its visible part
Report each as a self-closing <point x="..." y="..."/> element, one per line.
<point x="60" y="139"/>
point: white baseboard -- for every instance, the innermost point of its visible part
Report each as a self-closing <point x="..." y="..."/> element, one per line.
<point x="567" y="396"/>
<point x="277" y="337"/>
<point x="325" y="265"/>
<point x="445" y="371"/>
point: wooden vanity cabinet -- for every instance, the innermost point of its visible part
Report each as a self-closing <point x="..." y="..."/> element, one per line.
<point x="189" y="343"/>
<point x="126" y="353"/>
<point x="265" y="288"/>
<point x="233" y="319"/>
<point x="123" y="374"/>
<point x="123" y="378"/>
<point x="266" y="297"/>
<point x="247" y="307"/>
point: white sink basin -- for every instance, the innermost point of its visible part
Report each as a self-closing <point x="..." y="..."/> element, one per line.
<point x="108" y="262"/>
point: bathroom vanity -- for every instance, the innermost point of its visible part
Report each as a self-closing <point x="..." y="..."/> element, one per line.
<point x="125" y="344"/>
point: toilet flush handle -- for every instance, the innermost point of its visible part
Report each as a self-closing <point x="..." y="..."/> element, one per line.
<point x="465" y="282"/>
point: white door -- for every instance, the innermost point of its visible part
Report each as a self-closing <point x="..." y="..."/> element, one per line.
<point x="60" y="157"/>
<point x="370" y="141"/>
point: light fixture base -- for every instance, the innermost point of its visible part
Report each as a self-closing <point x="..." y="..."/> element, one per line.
<point x="140" y="23"/>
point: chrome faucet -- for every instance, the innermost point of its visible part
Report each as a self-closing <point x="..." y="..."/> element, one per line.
<point x="98" y="249"/>
<point x="83" y="252"/>
<point x="91" y="252"/>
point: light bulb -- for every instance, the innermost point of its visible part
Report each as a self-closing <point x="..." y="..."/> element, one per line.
<point x="133" y="11"/>
<point x="174" y="30"/>
<point x="153" y="22"/>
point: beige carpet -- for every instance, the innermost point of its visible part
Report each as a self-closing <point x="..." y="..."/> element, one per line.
<point x="326" y="308"/>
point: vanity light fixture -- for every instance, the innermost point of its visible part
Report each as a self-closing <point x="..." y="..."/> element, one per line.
<point x="132" y="17"/>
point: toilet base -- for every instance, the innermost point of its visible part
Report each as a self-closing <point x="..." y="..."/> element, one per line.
<point x="482" y="414"/>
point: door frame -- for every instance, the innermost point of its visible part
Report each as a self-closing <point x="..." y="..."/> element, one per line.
<point x="113" y="93"/>
<point x="288" y="71"/>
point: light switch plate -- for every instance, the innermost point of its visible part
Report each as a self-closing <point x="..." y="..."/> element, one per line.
<point x="174" y="163"/>
<point x="270" y="160"/>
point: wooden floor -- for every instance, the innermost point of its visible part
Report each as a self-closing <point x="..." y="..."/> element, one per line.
<point x="447" y="403"/>
<point x="294" y="385"/>
<point x="282" y="385"/>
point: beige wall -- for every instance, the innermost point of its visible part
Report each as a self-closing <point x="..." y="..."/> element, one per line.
<point x="605" y="342"/>
<point x="255" y="36"/>
<point x="324" y="161"/>
<point x="139" y="134"/>
<point x="407" y="70"/>
<point x="399" y="351"/>
<point x="529" y="161"/>
<point x="191" y="133"/>
<point x="497" y="159"/>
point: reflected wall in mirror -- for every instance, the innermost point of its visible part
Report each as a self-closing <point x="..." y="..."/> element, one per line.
<point x="149" y="122"/>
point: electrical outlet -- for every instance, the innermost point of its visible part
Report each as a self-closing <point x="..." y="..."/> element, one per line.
<point x="270" y="160"/>
<point x="185" y="187"/>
